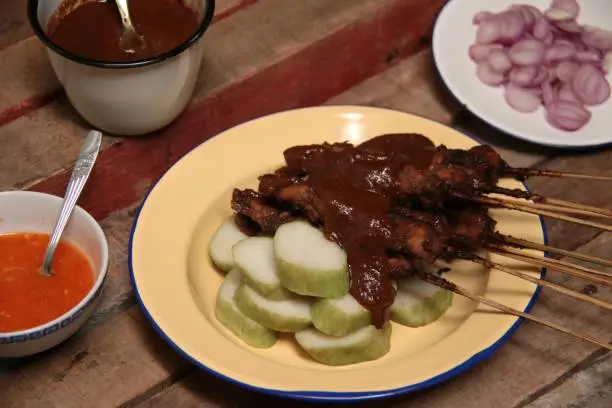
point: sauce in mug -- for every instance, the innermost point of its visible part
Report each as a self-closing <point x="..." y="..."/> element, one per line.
<point x="29" y="299"/>
<point x="92" y="29"/>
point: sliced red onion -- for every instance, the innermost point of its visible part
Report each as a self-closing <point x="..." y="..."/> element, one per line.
<point x="590" y="85"/>
<point x="512" y="26"/>
<point x="548" y="93"/>
<point x="488" y="76"/>
<point x="541" y="76"/>
<point x="499" y="61"/>
<point x="534" y="11"/>
<point x="528" y="14"/>
<point x="569" y="26"/>
<point x="527" y="52"/>
<point x="520" y="99"/>
<point x="523" y="76"/>
<point x="488" y="31"/>
<point x="480" y="52"/>
<point x="482" y="16"/>
<point x="561" y="10"/>
<point x="542" y="29"/>
<point x="597" y="38"/>
<point x="587" y="56"/>
<point x="566" y="93"/>
<point x="607" y="62"/>
<point x="559" y="52"/>
<point x="566" y="70"/>
<point x="544" y="58"/>
<point x="566" y="115"/>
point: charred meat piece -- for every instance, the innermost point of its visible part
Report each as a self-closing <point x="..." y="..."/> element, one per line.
<point x="249" y="204"/>
<point x="485" y="161"/>
<point x="422" y="240"/>
<point x="471" y="228"/>
<point x="294" y="192"/>
<point x="400" y="267"/>
<point x="309" y="158"/>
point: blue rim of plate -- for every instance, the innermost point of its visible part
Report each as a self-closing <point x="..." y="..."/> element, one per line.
<point x="561" y="147"/>
<point x="326" y="396"/>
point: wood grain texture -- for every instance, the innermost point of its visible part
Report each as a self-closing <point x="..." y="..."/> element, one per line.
<point x="588" y="387"/>
<point x="295" y="81"/>
<point x="14" y="25"/>
<point x="90" y="370"/>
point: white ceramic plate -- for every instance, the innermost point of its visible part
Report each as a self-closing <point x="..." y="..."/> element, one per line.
<point x="454" y="33"/>
<point x="176" y="283"/>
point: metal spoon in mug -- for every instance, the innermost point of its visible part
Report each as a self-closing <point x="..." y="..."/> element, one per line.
<point x="130" y="40"/>
<point x="80" y="173"/>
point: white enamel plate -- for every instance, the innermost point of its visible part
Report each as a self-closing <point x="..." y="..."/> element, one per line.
<point x="177" y="284"/>
<point x="454" y="32"/>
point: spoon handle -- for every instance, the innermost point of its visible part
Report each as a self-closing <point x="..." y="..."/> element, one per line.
<point x="124" y="13"/>
<point x="80" y="173"/>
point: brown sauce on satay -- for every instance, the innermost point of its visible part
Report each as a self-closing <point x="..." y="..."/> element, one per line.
<point x="92" y="29"/>
<point x="356" y="190"/>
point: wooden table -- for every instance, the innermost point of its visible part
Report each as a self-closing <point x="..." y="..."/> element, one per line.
<point x="264" y="56"/>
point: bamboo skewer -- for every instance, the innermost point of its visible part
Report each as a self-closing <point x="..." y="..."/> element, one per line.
<point x="521" y="243"/>
<point x="550" y="173"/>
<point x="560" y="268"/>
<point x="549" y="207"/>
<point x="520" y="207"/>
<point x="541" y="282"/>
<point x="556" y="262"/>
<point x="444" y="284"/>
<point x="516" y="193"/>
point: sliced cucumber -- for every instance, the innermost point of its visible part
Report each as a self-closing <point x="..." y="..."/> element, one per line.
<point x="221" y="243"/>
<point x="251" y="332"/>
<point x="308" y="263"/>
<point x="418" y="303"/>
<point x="254" y="257"/>
<point x="288" y="316"/>
<point x="365" y="344"/>
<point x="339" y="317"/>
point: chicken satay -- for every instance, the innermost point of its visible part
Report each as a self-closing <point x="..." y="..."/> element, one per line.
<point x="249" y="204"/>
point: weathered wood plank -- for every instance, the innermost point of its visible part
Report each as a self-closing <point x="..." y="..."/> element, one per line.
<point x="28" y="82"/>
<point x="531" y="359"/>
<point x="590" y="387"/>
<point x="296" y="81"/>
<point x="14" y="25"/>
<point x="36" y="145"/>
<point x="89" y="370"/>
<point x="409" y="86"/>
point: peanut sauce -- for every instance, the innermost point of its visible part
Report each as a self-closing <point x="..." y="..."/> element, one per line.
<point x="357" y="190"/>
<point x="92" y="29"/>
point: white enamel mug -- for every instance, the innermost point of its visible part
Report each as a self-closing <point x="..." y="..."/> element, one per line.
<point x="126" y="98"/>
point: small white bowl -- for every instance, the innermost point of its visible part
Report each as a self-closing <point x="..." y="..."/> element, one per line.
<point x="23" y="211"/>
<point x="126" y="98"/>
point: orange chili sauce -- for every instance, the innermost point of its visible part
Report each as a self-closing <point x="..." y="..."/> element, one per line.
<point x="29" y="299"/>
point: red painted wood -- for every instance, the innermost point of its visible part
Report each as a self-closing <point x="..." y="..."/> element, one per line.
<point x="223" y="14"/>
<point x="28" y="106"/>
<point x="125" y="171"/>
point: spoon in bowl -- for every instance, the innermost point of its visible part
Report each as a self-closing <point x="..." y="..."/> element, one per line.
<point x="130" y="41"/>
<point x="80" y="173"/>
